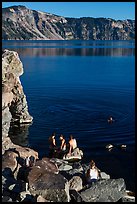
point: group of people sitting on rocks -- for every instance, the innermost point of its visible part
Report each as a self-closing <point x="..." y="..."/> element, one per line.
<point x="92" y="174"/>
<point x="64" y="148"/>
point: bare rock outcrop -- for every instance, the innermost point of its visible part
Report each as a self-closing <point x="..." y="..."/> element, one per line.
<point x="75" y="183"/>
<point x="14" y="112"/>
<point x="14" y="104"/>
<point x="110" y="190"/>
<point x="44" y="179"/>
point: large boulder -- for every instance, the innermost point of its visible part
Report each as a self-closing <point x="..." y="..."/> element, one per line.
<point x="73" y="172"/>
<point x="44" y="179"/>
<point x="53" y="187"/>
<point x="75" y="183"/>
<point x="103" y="175"/>
<point x="9" y="160"/>
<point x="25" y="152"/>
<point x="110" y="190"/>
<point x="76" y="155"/>
<point x="47" y="165"/>
<point x="14" y="160"/>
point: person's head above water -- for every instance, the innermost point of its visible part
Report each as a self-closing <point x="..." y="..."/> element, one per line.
<point x="110" y="119"/>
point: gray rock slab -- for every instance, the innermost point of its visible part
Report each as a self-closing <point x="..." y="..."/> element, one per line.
<point x="103" y="175"/>
<point x="110" y="190"/>
<point x="65" y="167"/>
<point x="58" y="161"/>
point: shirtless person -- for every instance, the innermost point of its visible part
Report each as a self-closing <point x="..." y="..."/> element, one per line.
<point x="72" y="144"/>
<point x="63" y="143"/>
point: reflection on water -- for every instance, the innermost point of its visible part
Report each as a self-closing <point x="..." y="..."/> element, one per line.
<point x="19" y="134"/>
<point x="72" y="48"/>
<point x="70" y="43"/>
<point x="32" y="52"/>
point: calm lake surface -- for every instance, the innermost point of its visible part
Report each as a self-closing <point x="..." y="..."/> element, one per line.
<point x="72" y="87"/>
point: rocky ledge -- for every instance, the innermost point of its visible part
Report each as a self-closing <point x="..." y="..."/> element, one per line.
<point x="48" y="179"/>
<point x="14" y="104"/>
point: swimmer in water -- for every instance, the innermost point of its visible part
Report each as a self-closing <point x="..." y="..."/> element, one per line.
<point x="110" y="120"/>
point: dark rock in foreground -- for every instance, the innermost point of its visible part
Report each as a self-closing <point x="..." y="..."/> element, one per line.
<point x="51" y="187"/>
<point x="110" y="190"/>
<point x="45" y="180"/>
<point x="75" y="183"/>
<point x="9" y="160"/>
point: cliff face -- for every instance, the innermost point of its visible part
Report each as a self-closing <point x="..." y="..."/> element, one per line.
<point x="99" y="29"/>
<point x="14" y="104"/>
<point x="19" y="22"/>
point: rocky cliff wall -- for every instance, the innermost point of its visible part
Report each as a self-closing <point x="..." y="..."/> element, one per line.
<point x="99" y="29"/>
<point x="14" y="104"/>
<point x="19" y="22"/>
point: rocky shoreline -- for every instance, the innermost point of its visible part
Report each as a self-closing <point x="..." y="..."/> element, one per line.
<point x="49" y="179"/>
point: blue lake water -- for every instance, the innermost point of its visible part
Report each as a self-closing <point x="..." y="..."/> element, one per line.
<point x="72" y="87"/>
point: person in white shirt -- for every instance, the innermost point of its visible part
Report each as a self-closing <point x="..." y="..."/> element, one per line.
<point x="92" y="173"/>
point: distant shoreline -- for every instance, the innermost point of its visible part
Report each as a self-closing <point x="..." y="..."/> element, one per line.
<point x="46" y="26"/>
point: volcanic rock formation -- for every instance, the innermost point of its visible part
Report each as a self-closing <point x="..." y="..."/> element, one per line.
<point x="14" y="104"/>
<point x="21" y="23"/>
